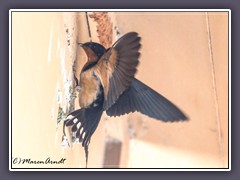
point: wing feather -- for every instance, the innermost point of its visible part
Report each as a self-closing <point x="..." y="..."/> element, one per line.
<point x="139" y="97"/>
<point x="117" y="67"/>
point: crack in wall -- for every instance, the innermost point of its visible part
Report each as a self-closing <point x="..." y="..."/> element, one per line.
<point x="218" y="123"/>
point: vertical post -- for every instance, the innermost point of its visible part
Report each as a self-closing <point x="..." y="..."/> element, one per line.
<point x="112" y="153"/>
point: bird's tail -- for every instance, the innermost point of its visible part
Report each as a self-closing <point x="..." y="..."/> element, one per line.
<point x="83" y="123"/>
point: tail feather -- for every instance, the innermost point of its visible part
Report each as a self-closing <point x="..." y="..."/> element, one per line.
<point x="84" y="122"/>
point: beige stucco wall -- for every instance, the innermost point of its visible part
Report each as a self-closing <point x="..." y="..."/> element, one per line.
<point x="184" y="57"/>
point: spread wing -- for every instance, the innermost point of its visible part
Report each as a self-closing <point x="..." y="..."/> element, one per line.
<point x="117" y="67"/>
<point x="139" y="97"/>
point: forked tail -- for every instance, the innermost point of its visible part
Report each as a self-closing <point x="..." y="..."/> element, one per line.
<point x="83" y="123"/>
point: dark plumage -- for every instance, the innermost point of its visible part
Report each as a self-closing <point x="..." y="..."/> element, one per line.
<point x="107" y="83"/>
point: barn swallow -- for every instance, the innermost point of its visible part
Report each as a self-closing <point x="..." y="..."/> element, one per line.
<point x="107" y="83"/>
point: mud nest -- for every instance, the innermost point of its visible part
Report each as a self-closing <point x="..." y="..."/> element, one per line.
<point x="104" y="28"/>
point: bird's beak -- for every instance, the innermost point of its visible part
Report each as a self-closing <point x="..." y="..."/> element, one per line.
<point x="80" y="44"/>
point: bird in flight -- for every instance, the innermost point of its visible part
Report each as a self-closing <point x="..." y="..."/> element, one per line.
<point x="107" y="83"/>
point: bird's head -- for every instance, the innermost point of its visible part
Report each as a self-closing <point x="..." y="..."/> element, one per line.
<point x="93" y="50"/>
